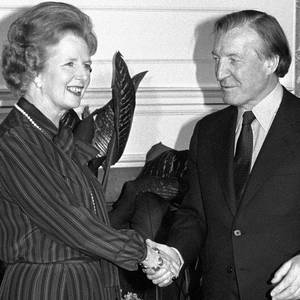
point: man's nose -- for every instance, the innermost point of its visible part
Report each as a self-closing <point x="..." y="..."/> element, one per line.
<point x="222" y="70"/>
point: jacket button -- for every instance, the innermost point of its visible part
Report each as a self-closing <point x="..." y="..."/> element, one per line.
<point x="237" y="232"/>
<point x="229" y="269"/>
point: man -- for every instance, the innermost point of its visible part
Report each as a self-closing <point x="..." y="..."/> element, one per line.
<point x="241" y="215"/>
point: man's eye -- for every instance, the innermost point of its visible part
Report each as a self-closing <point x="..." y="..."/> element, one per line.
<point x="233" y="60"/>
<point x="216" y="60"/>
<point x="88" y="67"/>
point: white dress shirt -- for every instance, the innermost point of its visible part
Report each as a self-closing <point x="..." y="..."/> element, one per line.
<point x="264" y="112"/>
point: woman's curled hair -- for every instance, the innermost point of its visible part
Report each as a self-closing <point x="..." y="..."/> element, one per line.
<point x="24" y="56"/>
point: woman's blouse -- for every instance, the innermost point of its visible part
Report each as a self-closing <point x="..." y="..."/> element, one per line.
<point x="52" y="207"/>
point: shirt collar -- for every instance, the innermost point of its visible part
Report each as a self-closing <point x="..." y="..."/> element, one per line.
<point x="266" y="109"/>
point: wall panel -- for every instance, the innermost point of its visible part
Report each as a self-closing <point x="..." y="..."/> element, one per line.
<point x="172" y="40"/>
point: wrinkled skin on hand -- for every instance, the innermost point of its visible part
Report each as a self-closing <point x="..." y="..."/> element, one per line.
<point x="287" y="281"/>
<point x="169" y="269"/>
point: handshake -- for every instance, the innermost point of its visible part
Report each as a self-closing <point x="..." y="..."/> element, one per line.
<point x="162" y="264"/>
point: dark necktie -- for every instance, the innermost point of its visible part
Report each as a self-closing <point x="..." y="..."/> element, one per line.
<point x="243" y="155"/>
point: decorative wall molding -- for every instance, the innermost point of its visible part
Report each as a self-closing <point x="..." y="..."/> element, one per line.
<point x="125" y="5"/>
<point x="138" y="8"/>
<point x="166" y="101"/>
<point x="144" y="97"/>
<point x="172" y="40"/>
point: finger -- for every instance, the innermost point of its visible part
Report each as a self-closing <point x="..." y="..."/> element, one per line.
<point x="153" y="259"/>
<point x="166" y="278"/>
<point x="288" y="293"/>
<point x="168" y="263"/>
<point x="165" y="267"/>
<point x="151" y="243"/>
<point x="160" y="273"/>
<point x="148" y="271"/>
<point x="160" y="247"/>
<point x="167" y="257"/>
<point x="297" y="293"/>
<point x="171" y="257"/>
<point x="285" y="286"/>
<point x="281" y="272"/>
<point x="165" y="283"/>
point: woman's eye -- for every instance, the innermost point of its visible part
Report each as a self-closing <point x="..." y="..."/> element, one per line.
<point x="70" y="64"/>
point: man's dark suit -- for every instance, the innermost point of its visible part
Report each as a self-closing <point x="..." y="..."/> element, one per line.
<point x="255" y="238"/>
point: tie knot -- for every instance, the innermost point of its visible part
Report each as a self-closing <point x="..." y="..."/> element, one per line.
<point x="248" y="117"/>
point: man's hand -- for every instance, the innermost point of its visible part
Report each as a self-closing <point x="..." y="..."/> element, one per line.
<point x="170" y="267"/>
<point x="287" y="281"/>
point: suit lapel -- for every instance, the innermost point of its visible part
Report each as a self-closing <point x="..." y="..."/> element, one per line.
<point x="223" y="153"/>
<point x="278" y="146"/>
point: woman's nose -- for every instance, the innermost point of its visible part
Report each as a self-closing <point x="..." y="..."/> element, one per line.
<point x="82" y="72"/>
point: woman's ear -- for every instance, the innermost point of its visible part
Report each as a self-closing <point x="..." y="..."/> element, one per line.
<point x="38" y="82"/>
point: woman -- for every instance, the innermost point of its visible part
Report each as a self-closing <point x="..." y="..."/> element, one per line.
<point x="54" y="231"/>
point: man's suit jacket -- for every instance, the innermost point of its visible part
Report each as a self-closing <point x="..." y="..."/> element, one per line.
<point x="251" y="240"/>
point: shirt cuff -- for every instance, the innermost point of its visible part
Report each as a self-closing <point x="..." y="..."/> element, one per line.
<point x="180" y="258"/>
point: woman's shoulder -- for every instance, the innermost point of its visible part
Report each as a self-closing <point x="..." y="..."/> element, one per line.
<point x="13" y="130"/>
<point x="11" y="121"/>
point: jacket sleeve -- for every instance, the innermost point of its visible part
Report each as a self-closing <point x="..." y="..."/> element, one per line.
<point x="189" y="228"/>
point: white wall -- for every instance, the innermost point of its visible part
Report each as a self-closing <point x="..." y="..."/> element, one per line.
<point x="172" y="40"/>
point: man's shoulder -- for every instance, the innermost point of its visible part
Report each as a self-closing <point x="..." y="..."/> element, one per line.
<point x="220" y="116"/>
<point x="290" y="104"/>
<point x="210" y="125"/>
<point x="290" y="96"/>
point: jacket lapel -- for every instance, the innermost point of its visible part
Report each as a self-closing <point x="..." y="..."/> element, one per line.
<point x="278" y="146"/>
<point x="224" y="149"/>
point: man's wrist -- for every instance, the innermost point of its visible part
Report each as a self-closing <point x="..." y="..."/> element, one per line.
<point x="180" y="258"/>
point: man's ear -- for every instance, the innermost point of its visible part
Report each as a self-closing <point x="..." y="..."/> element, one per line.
<point x="272" y="64"/>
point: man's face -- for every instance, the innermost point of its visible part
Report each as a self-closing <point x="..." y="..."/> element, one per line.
<point x="244" y="75"/>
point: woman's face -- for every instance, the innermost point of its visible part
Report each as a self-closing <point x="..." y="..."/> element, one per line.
<point x="66" y="75"/>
